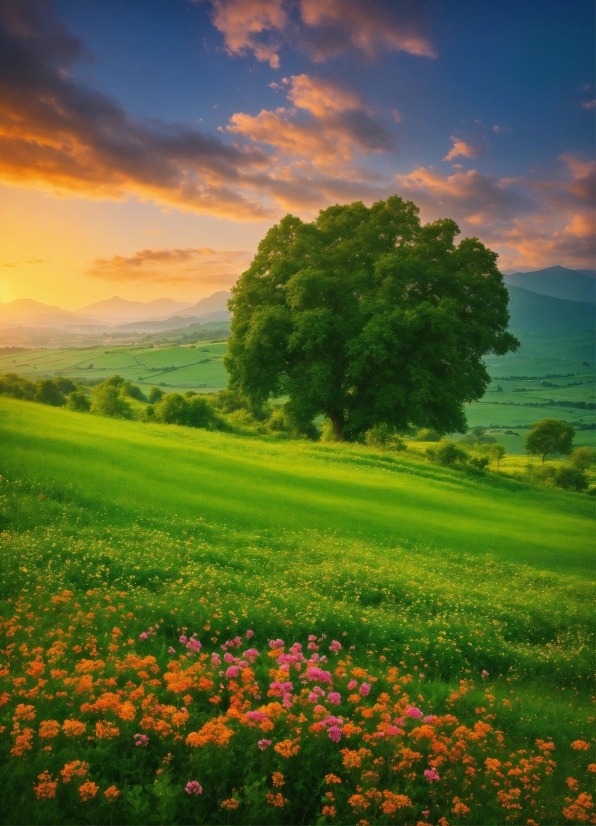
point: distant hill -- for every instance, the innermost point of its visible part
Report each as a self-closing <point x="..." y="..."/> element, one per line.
<point x="557" y="282"/>
<point x="533" y="311"/>
<point x="116" y="308"/>
<point x="213" y="303"/>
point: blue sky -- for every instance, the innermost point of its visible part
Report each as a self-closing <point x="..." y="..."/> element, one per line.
<point x="149" y="144"/>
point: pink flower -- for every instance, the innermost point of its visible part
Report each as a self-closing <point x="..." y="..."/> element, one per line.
<point x="432" y="775"/>
<point x="287" y="701"/>
<point x="194" y="645"/>
<point x="251" y="654"/>
<point x="171" y="650"/>
<point x="335" y="646"/>
<point x="256" y="716"/>
<point x="391" y="731"/>
<point x="141" y="740"/>
<point x="193" y="787"/>
<point x="334" y="733"/>
<point x="430" y="718"/>
<point x="334" y="698"/>
<point x="183" y="639"/>
<point x="399" y="721"/>
<point x="312" y="637"/>
<point x="312" y="646"/>
<point x="414" y="713"/>
<point x="276" y="643"/>
<point x="249" y="634"/>
<point x="264" y="744"/>
<point x="215" y="659"/>
<point x="232" y="671"/>
<point x="143" y="635"/>
<point x="364" y="690"/>
<point x="318" y="675"/>
<point x="484" y="674"/>
<point x="352" y="685"/>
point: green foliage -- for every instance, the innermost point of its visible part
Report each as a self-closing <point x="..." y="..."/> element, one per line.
<point x="582" y="458"/>
<point x="549" y="436"/>
<point x="569" y="477"/>
<point x="108" y="401"/>
<point x="497" y="452"/>
<point x="79" y="401"/>
<point x="447" y="453"/>
<point x="64" y="384"/>
<point x="154" y="395"/>
<point x="426" y="434"/>
<point x="133" y="391"/>
<point x="367" y="317"/>
<point x="196" y="411"/>
<point x="47" y="392"/>
<point x="384" y="436"/>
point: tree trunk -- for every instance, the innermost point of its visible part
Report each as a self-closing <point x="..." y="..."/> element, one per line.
<point x="337" y="422"/>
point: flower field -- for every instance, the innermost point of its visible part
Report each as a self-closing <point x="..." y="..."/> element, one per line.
<point x="162" y="668"/>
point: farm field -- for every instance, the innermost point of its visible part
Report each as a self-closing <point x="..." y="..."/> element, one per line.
<point x="476" y="591"/>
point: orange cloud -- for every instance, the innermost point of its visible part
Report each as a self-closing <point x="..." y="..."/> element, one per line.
<point x="461" y="149"/>
<point x="323" y="29"/>
<point x="191" y="265"/>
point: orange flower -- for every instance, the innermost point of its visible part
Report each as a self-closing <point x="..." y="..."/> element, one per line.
<point x="278" y="779"/>
<point x="329" y="811"/>
<point x="106" y="731"/>
<point x="48" y="728"/>
<point x="76" y="768"/>
<point x="277" y="800"/>
<point x="46" y="788"/>
<point x="111" y="793"/>
<point x="393" y="802"/>
<point x="230" y="803"/>
<point x="126" y="711"/>
<point x="459" y="809"/>
<point x="332" y="778"/>
<point x="214" y="731"/>
<point x="88" y="790"/>
<point x="578" y="745"/>
<point x="72" y="728"/>
<point x="592" y="767"/>
<point x="24" y="712"/>
<point x="286" y="748"/>
<point x="358" y="802"/>
<point x="22" y="742"/>
<point x="572" y="784"/>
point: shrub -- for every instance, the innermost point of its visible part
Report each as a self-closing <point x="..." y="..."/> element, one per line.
<point x="64" y="384"/>
<point x="427" y="435"/>
<point x="107" y="401"/>
<point x="133" y="391"/>
<point x="384" y="436"/>
<point x="79" y="401"/>
<point x="570" y="478"/>
<point x="479" y="461"/>
<point x="154" y="395"/>
<point x="47" y="392"/>
<point x="17" y="387"/>
<point x="172" y="408"/>
<point x="582" y="458"/>
<point x="201" y="413"/>
<point x="448" y="453"/>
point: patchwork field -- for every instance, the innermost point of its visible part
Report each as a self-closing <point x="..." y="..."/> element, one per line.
<point x="459" y="598"/>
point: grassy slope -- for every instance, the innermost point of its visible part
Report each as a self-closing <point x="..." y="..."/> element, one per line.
<point x="293" y="486"/>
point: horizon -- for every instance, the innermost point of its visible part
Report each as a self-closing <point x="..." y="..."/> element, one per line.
<point x="147" y="148"/>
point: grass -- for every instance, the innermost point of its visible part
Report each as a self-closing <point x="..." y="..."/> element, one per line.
<point x="439" y="573"/>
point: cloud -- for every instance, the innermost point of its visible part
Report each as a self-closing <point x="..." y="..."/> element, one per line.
<point x="461" y="149"/>
<point x="325" y="128"/>
<point x="530" y="222"/>
<point x="191" y="265"/>
<point x="59" y="135"/>
<point x="588" y="104"/>
<point x="322" y="29"/>
<point x="498" y="129"/>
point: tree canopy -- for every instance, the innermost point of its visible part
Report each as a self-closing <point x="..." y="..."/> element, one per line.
<point x="550" y="436"/>
<point x="368" y="317"/>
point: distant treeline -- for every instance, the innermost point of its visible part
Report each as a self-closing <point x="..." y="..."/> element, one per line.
<point x="550" y="403"/>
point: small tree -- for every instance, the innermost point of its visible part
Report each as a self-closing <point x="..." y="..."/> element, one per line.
<point x="77" y="400"/>
<point x="447" y="453"/>
<point x="47" y="392"/>
<point x="107" y="401"/>
<point x="570" y="478"/>
<point x="497" y="452"/>
<point x="582" y="458"/>
<point x="155" y="394"/>
<point x="549" y="436"/>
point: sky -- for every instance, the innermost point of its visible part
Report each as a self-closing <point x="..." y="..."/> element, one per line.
<point x="146" y="146"/>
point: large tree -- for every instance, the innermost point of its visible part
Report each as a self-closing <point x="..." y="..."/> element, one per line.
<point x="368" y="317"/>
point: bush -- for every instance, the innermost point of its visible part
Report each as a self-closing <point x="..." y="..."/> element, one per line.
<point x="47" y="392"/>
<point x="384" y="436"/>
<point x="582" y="458"/>
<point x="64" y="384"/>
<point x="133" y="391"/>
<point x="155" y="394"/>
<point x="427" y="435"/>
<point x="79" y="401"/>
<point x="172" y="408"/>
<point x="448" y="453"/>
<point x="107" y="401"/>
<point x="201" y="413"/>
<point x="481" y="462"/>
<point x="570" y="478"/>
<point x="16" y="387"/>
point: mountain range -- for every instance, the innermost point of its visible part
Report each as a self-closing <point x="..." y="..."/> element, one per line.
<point x="541" y="299"/>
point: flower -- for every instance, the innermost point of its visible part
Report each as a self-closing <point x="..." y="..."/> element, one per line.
<point x="46" y="788"/>
<point x="141" y="740"/>
<point x="484" y="674"/>
<point x="414" y="713"/>
<point x="111" y="793"/>
<point x="334" y="733"/>
<point x="335" y="646"/>
<point x="88" y="790"/>
<point x="249" y="634"/>
<point x="432" y="775"/>
<point x="171" y="650"/>
<point x="352" y="685"/>
<point x="364" y="690"/>
<point x="143" y="635"/>
<point x="263" y="744"/>
<point x="193" y="787"/>
<point x="334" y="698"/>
<point x="76" y="768"/>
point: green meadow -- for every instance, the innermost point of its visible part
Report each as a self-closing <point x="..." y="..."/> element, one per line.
<point x="444" y="574"/>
